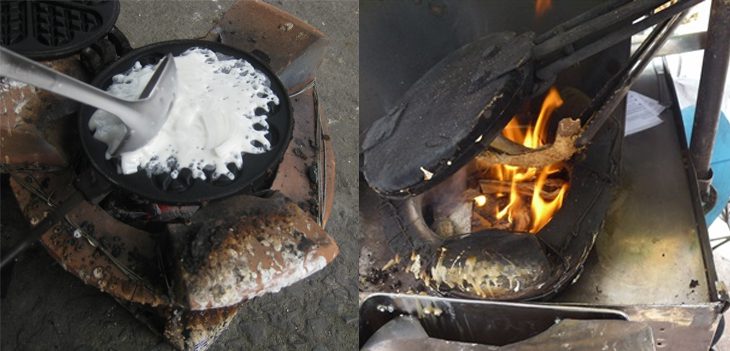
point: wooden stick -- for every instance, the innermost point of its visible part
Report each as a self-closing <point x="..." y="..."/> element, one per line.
<point x="562" y="149"/>
<point x="479" y="222"/>
<point x="521" y="219"/>
<point x="490" y="186"/>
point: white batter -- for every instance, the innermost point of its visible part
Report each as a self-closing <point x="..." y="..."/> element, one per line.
<point x="211" y="122"/>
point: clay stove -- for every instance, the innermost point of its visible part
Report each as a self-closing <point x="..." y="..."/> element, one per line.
<point x="408" y="252"/>
<point x="182" y="269"/>
<point x="471" y="210"/>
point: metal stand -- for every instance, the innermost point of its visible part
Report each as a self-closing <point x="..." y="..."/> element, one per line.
<point x="709" y="96"/>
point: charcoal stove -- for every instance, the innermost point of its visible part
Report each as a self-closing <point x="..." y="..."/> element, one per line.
<point x="402" y="253"/>
<point x="128" y="243"/>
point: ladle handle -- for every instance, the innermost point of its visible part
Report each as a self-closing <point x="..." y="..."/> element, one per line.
<point x="20" y="68"/>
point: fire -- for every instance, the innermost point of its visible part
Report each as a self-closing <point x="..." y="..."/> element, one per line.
<point x="525" y="212"/>
<point x="541" y="6"/>
<point x="480" y="200"/>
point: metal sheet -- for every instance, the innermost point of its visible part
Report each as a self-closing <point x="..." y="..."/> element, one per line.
<point x="485" y="322"/>
<point x="649" y="251"/>
<point x="686" y="327"/>
<point x="585" y="335"/>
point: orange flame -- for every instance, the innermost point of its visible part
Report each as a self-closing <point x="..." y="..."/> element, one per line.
<point x="534" y="136"/>
<point x="541" y="6"/>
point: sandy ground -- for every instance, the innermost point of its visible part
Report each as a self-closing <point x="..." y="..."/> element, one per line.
<point x="48" y="309"/>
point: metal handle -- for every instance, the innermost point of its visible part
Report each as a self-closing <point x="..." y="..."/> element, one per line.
<point x="596" y="11"/>
<point x="611" y="14"/>
<point x="616" y="89"/>
<point x="41" y="228"/>
<point x="620" y="23"/>
<point x="19" y="68"/>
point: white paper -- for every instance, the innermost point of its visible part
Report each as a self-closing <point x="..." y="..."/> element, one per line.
<point x="642" y="112"/>
<point x="686" y="69"/>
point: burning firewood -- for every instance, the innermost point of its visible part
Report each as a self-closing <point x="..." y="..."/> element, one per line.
<point x="502" y="224"/>
<point x="517" y="185"/>
<point x="521" y="219"/>
<point x="503" y="145"/>
<point x="562" y="149"/>
<point x="479" y="222"/>
<point x="550" y="190"/>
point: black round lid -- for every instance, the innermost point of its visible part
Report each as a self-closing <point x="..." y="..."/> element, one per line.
<point x="53" y="29"/>
<point x="450" y="114"/>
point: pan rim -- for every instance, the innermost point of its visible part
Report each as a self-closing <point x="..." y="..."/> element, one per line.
<point x="202" y="190"/>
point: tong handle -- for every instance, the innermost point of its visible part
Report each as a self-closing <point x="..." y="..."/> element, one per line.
<point x="595" y="11"/>
<point x="583" y="26"/>
<point x="54" y="217"/>
<point x="90" y="186"/>
<point x="621" y="23"/>
<point x="616" y="89"/>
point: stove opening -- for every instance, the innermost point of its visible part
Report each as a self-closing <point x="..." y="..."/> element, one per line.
<point x="516" y="197"/>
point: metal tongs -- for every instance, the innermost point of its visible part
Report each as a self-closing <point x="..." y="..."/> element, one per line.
<point x="610" y="14"/>
<point x="606" y="15"/>
<point x="144" y="117"/>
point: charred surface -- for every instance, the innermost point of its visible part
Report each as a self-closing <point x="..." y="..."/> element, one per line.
<point x="243" y="247"/>
<point x="447" y="116"/>
<point x="34" y="123"/>
<point x="291" y="47"/>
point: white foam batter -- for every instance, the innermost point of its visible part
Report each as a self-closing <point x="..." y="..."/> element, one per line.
<point x="211" y="122"/>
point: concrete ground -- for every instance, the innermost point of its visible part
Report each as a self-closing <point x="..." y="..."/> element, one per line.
<point x="48" y="309"/>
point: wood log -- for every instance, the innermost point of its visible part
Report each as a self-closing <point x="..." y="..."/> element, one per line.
<point x="479" y="222"/>
<point x="550" y="190"/>
<point x="521" y="219"/>
<point x="562" y="149"/>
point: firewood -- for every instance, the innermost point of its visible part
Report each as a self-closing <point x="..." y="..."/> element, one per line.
<point x="506" y="146"/>
<point x="479" y="222"/>
<point x="562" y="149"/>
<point x="502" y="224"/>
<point x="521" y="219"/>
<point x="550" y="190"/>
<point x="487" y="211"/>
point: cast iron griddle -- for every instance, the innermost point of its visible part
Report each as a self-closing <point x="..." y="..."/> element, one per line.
<point x="457" y="108"/>
<point x="448" y="115"/>
<point x="257" y="170"/>
<point x="52" y="29"/>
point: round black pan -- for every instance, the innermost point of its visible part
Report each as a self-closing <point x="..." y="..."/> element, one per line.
<point x="258" y="169"/>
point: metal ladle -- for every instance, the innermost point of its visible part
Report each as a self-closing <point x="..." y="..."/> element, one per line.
<point x="144" y="117"/>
